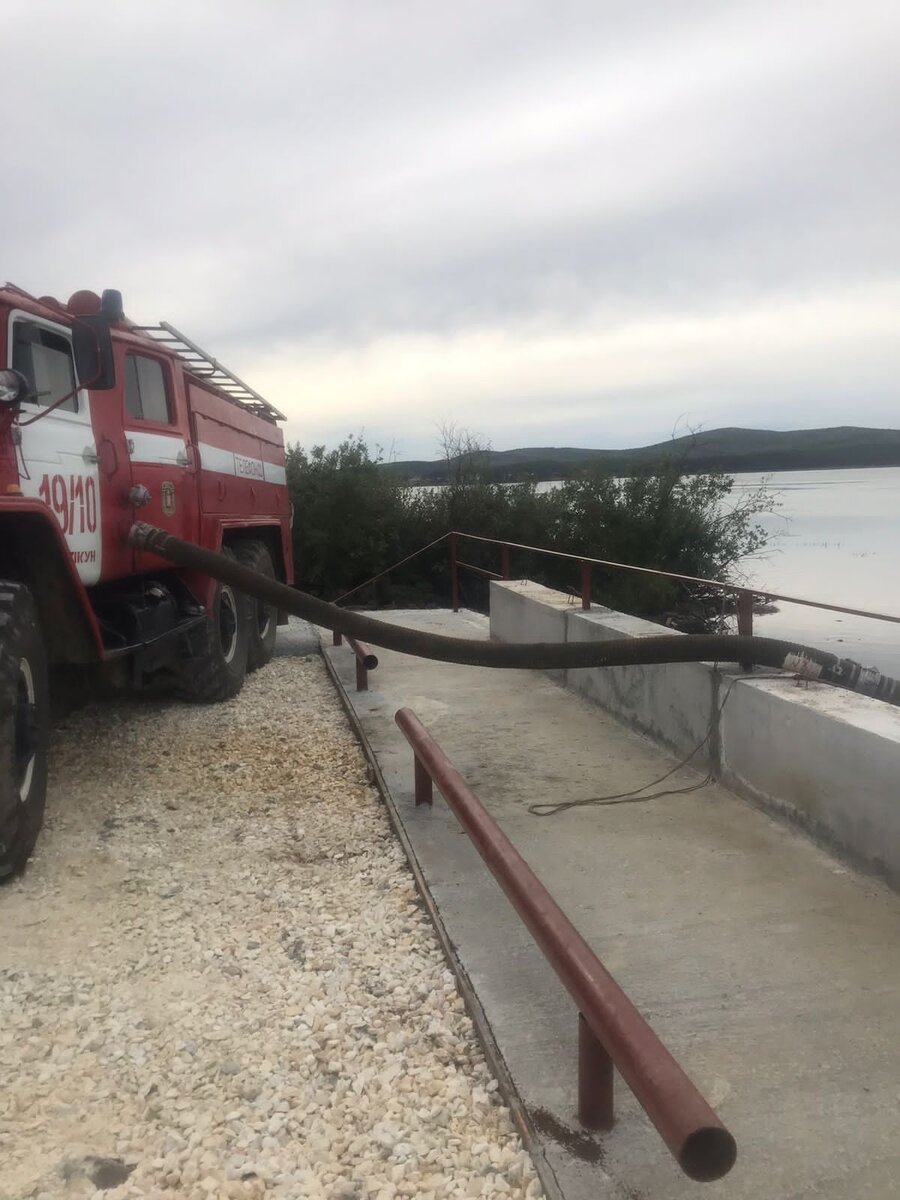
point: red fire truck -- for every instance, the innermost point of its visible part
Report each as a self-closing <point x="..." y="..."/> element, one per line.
<point x="102" y="423"/>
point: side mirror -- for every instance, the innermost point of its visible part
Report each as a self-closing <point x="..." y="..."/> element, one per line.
<point x="92" y="346"/>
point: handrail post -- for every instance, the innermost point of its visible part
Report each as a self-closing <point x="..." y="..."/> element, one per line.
<point x="595" y="1080"/>
<point x="362" y="676"/>
<point x="366" y="661"/>
<point x="745" y="620"/>
<point x="585" y="585"/>
<point x="745" y="614"/>
<point x="504" y="561"/>
<point x="454" y="574"/>
<point x="424" y="784"/>
<point x="336" y="638"/>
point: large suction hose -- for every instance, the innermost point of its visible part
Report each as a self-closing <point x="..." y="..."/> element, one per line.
<point x="537" y="656"/>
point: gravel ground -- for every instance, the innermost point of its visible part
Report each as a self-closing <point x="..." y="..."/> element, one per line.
<point x="216" y="978"/>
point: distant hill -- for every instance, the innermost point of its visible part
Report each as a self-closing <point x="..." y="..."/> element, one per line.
<point x="730" y="450"/>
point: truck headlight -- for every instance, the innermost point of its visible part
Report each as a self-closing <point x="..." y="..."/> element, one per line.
<point x="14" y="387"/>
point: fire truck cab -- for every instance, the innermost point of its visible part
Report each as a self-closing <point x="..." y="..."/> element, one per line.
<point x="104" y="422"/>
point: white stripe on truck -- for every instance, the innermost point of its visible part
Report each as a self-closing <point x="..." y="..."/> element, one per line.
<point x="166" y="449"/>
<point x="228" y="462"/>
<point x="160" y="448"/>
<point x="275" y="474"/>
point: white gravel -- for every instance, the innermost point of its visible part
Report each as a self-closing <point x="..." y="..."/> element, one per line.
<point x="217" y="971"/>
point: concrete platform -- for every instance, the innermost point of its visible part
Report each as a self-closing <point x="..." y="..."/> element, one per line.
<point x="771" y="971"/>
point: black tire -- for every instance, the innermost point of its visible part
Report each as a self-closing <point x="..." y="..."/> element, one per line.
<point x="263" y="617"/>
<point x="24" y="727"/>
<point x="216" y="669"/>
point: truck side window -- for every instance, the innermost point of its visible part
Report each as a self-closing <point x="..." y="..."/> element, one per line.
<point x="45" y="359"/>
<point x="145" y="390"/>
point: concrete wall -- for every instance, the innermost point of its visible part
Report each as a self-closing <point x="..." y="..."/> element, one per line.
<point x="673" y="703"/>
<point x="826" y="760"/>
<point x="537" y="613"/>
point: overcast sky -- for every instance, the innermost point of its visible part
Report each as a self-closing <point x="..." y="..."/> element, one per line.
<point x="584" y="223"/>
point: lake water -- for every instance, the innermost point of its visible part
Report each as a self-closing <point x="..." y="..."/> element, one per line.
<point x="835" y="538"/>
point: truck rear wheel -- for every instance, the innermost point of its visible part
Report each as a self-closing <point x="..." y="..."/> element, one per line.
<point x="263" y="617"/>
<point x="24" y="727"/>
<point x="217" y="668"/>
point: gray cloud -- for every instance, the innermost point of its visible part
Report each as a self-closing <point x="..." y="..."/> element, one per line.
<point x="317" y="179"/>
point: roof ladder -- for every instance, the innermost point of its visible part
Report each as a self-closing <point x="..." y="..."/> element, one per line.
<point x="203" y="366"/>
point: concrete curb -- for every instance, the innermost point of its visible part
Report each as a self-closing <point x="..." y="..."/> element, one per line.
<point x="483" y="1030"/>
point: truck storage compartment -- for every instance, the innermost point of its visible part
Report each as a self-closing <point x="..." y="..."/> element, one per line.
<point x="241" y="457"/>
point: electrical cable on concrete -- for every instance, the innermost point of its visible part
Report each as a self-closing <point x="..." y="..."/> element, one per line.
<point x="634" y="796"/>
<point x="552" y="810"/>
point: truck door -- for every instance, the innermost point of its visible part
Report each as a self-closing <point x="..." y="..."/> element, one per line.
<point x="163" y="471"/>
<point x="58" y="456"/>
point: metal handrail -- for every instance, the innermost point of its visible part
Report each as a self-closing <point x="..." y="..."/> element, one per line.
<point x="746" y="595"/>
<point x="366" y="659"/>
<point x="610" y="1029"/>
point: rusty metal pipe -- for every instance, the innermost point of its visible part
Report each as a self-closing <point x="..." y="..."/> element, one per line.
<point x="701" y="1144"/>
<point x="454" y="573"/>
<point x="479" y="570"/>
<point x="366" y="660"/>
<point x="364" y="653"/>
<point x="586" y="586"/>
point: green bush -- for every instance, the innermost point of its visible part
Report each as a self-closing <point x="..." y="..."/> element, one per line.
<point x="353" y="520"/>
<point x="347" y="516"/>
<point x="687" y="524"/>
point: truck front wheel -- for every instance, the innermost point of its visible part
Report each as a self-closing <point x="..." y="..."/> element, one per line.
<point x="263" y="617"/>
<point x="24" y="727"/>
<point x="217" y="668"/>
